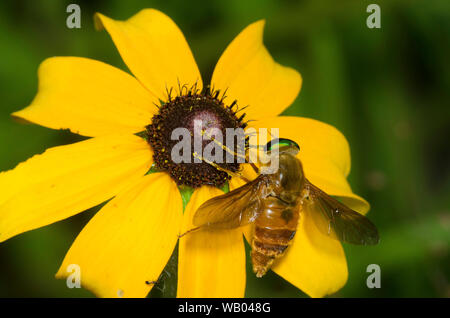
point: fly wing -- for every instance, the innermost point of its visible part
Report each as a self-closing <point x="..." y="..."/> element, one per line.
<point x="233" y="209"/>
<point x="337" y="220"/>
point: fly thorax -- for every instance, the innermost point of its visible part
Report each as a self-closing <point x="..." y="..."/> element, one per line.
<point x="290" y="173"/>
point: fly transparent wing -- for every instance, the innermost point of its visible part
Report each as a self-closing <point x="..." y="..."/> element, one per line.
<point x="233" y="209"/>
<point x="337" y="220"/>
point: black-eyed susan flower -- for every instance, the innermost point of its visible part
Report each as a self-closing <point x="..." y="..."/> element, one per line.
<point x="129" y="241"/>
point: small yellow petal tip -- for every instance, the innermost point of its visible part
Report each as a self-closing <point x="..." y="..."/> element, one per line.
<point x="98" y="23"/>
<point x="258" y="25"/>
<point x="18" y="119"/>
<point x="262" y="22"/>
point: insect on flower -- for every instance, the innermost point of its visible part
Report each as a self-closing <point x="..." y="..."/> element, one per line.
<point x="129" y="120"/>
<point x="275" y="202"/>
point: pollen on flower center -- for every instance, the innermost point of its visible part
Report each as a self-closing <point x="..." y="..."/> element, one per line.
<point x="184" y="111"/>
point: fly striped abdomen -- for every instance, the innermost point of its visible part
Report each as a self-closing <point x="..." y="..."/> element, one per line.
<point x="274" y="229"/>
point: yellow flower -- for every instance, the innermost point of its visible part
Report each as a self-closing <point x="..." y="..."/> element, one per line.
<point x="130" y="240"/>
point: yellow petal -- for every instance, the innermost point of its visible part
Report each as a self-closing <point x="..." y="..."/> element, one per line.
<point x="314" y="263"/>
<point x="69" y="179"/>
<point x="129" y="241"/>
<point x="154" y="49"/>
<point x="211" y="263"/>
<point x="324" y="153"/>
<point x="89" y="97"/>
<point x="253" y="78"/>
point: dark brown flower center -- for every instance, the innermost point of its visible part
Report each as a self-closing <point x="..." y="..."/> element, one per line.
<point x="197" y="114"/>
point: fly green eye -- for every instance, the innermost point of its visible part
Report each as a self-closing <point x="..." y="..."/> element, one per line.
<point x="283" y="145"/>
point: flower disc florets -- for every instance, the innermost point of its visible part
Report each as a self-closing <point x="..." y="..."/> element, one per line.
<point x="186" y="111"/>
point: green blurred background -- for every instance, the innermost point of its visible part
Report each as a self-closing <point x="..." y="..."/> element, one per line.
<point x="386" y="89"/>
